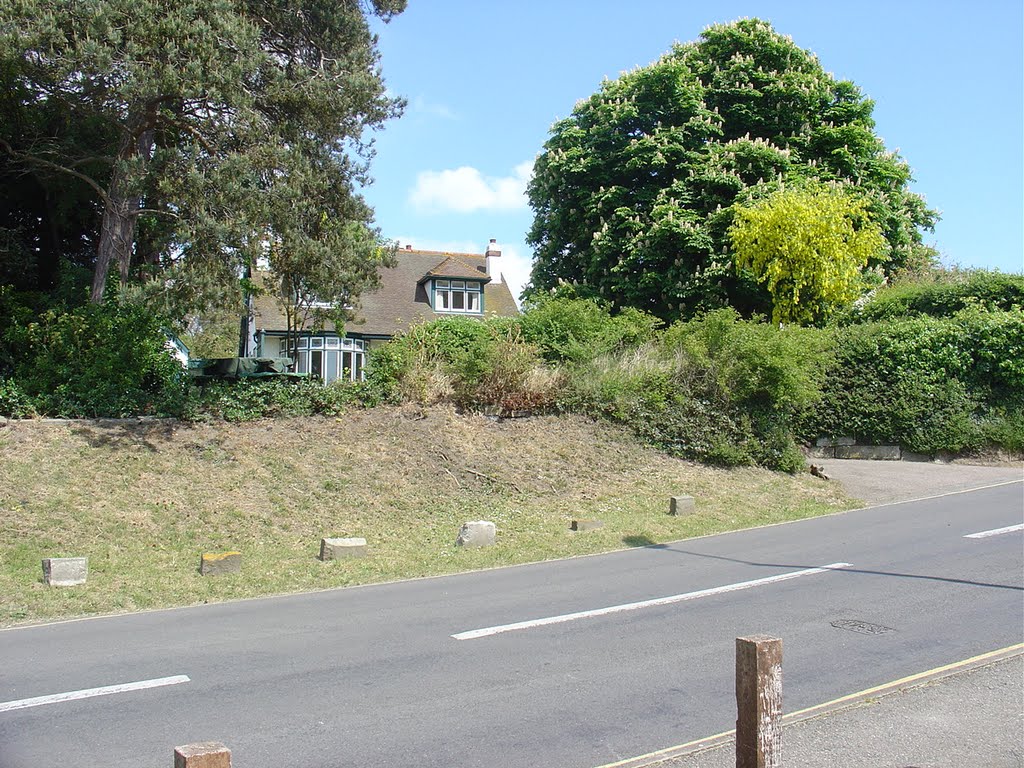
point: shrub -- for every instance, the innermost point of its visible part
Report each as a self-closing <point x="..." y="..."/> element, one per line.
<point x="929" y="384"/>
<point x="573" y="330"/>
<point x="942" y="293"/>
<point x="13" y="401"/>
<point x="466" y="361"/>
<point x="96" y="360"/>
<point x="250" y="399"/>
<point x="719" y="389"/>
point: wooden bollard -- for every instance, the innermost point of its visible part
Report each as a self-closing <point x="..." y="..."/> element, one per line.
<point x="205" y="754"/>
<point x="758" y="702"/>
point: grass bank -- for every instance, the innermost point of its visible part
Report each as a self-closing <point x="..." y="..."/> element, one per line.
<point x="143" y="499"/>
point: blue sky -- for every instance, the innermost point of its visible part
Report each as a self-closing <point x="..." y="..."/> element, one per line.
<point x="485" y="81"/>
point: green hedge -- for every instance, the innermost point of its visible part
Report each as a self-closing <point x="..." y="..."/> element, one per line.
<point x="943" y="294"/>
<point x="720" y="389"/>
<point x="930" y="384"/>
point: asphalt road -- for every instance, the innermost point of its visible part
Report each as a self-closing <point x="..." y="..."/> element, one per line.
<point x="373" y="676"/>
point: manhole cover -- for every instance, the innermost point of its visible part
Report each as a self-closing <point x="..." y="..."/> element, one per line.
<point x="862" y="627"/>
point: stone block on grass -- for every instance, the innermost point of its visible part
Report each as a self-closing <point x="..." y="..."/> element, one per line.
<point x="65" y="571"/>
<point x="217" y="563"/>
<point x="682" y="505"/>
<point x="586" y="525"/>
<point x="476" y="533"/>
<point x="336" y="549"/>
<point x="205" y="754"/>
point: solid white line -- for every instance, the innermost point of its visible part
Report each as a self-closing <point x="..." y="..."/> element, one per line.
<point x="995" y="532"/>
<point x="106" y="690"/>
<point x="473" y="634"/>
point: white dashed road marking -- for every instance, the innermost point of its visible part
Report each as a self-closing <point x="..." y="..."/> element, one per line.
<point x="473" y="634"/>
<point x="56" y="698"/>
<point x="995" y="532"/>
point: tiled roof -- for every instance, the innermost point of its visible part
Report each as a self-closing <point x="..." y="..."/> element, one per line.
<point x="403" y="297"/>
<point x="457" y="268"/>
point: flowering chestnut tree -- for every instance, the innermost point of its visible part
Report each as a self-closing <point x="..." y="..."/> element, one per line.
<point x="635" y="192"/>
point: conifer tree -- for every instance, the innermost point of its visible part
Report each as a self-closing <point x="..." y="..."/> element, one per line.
<point x="220" y="125"/>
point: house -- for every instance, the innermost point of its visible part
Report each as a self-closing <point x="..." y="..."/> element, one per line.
<point x="421" y="286"/>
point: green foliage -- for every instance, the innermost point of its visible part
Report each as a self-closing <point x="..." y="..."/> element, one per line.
<point x="808" y="246"/>
<point x="942" y="293"/>
<point x="719" y="389"/>
<point x="13" y="400"/>
<point x="470" y="362"/>
<point x="633" y="194"/>
<point x="188" y="150"/>
<point x="96" y="360"/>
<point x="571" y="330"/>
<point x="929" y="384"/>
<point x="251" y="399"/>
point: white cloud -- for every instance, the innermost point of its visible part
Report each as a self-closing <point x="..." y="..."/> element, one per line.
<point x="421" y="106"/>
<point x="465" y="190"/>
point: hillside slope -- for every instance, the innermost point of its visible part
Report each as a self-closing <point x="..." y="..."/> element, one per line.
<point x="144" y="499"/>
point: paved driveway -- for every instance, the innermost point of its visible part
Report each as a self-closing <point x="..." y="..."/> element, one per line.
<point x="881" y="482"/>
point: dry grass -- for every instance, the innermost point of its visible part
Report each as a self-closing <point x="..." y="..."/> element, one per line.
<point x="143" y="500"/>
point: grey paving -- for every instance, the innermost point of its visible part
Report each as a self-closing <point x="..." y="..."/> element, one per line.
<point x="882" y="482"/>
<point x="971" y="719"/>
<point x="372" y="676"/>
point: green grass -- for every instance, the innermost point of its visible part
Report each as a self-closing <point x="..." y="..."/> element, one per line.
<point x="144" y="500"/>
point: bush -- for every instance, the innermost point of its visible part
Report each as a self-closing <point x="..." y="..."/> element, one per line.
<point x="572" y="330"/>
<point x="930" y="384"/>
<point x="96" y="360"/>
<point x="942" y="293"/>
<point x="719" y="389"/>
<point x="250" y="399"/>
<point x="13" y="401"/>
<point x="463" y="360"/>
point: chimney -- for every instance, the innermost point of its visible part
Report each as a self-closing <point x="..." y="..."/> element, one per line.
<point x="493" y="252"/>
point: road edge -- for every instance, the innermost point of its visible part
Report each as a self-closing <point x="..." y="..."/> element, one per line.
<point x="828" y="707"/>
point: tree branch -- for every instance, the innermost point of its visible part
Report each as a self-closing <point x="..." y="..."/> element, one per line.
<point x="56" y="167"/>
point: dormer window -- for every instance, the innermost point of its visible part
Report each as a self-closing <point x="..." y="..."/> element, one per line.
<point x="458" y="296"/>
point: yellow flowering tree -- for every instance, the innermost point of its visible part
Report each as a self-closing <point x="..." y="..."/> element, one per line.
<point x="808" y="247"/>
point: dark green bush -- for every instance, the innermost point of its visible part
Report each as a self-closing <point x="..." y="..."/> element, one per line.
<point x="719" y="389"/>
<point x="929" y="384"/>
<point x="250" y="399"/>
<point x="95" y="360"/>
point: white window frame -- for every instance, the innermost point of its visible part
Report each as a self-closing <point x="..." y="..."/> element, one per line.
<point x="353" y="349"/>
<point x="469" y="293"/>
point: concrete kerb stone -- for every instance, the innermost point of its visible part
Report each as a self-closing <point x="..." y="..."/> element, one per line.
<point x="476" y="533"/>
<point x="682" y="505"/>
<point x="216" y="563"/>
<point x="65" y="571"/>
<point x="586" y="525"/>
<point x="336" y="549"/>
<point x="832" y="442"/>
<point x="873" y="452"/>
<point x="830" y="708"/>
<point x="849" y="448"/>
<point x="204" y="754"/>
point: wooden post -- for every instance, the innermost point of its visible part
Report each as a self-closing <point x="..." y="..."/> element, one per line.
<point x="205" y="754"/>
<point x="758" y="702"/>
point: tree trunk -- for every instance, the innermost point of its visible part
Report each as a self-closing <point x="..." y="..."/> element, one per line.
<point x="117" y="231"/>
